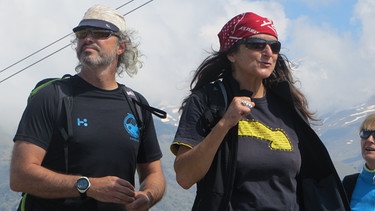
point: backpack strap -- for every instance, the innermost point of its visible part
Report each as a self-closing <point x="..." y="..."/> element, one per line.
<point x="64" y="113"/>
<point x="23" y="204"/>
<point x="131" y="98"/>
<point x="215" y="189"/>
<point x="349" y="182"/>
<point x="41" y="84"/>
<point x="65" y="103"/>
<point x="137" y="107"/>
<point x="217" y="101"/>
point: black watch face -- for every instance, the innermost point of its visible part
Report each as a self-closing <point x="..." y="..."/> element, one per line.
<point x="82" y="183"/>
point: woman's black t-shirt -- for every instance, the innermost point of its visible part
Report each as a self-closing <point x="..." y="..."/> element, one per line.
<point x="268" y="155"/>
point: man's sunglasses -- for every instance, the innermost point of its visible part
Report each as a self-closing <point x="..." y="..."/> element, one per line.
<point x="259" y="44"/>
<point x="365" y="134"/>
<point x="99" y="34"/>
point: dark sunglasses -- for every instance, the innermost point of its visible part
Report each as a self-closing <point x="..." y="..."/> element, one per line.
<point x="99" y="34"/>
<point x="259" y="44"/>
<point x="365" y="134"/>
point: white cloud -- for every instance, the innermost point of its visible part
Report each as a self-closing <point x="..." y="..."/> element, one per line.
<point x="334" y="69"/>
<point x="365" y="12"/>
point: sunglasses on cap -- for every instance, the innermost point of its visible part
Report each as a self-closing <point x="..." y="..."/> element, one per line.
<point x="259" y="44"/>
<point x="99" y="34"/>
<point x="365" y="134"/>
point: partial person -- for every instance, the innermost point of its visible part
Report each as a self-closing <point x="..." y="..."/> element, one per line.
<point x="244" y="136"/>
<point x="360" y="187"/>
<point x="95" y="169"/>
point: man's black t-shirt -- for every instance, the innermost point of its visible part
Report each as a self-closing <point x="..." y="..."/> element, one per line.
<point x="106" y="139"/>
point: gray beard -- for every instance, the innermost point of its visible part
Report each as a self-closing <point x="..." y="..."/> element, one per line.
<point x="101" y="60"/>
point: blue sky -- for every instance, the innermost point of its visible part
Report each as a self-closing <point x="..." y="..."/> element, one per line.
<point x="337" y="13"/>
<point x="329" y="40"/>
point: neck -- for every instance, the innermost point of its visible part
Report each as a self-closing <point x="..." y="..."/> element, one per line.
<point x="253" y="85"/>
<point x="370" y="168"/>
<point x="103" y="78"/>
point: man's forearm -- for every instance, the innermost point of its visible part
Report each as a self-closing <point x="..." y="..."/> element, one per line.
<point x="154" y="187"/>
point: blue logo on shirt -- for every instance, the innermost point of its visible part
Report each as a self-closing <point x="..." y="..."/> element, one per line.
<point x="131" y="127"/>
<point x="82" y="122"/>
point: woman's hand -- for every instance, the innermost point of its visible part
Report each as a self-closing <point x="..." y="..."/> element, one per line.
<point x="238" y="108"/>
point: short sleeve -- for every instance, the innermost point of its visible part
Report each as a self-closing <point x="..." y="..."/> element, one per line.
<point x="189" y="132"/>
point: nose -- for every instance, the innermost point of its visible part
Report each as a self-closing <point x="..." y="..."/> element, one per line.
<point x="267" y="50"/>
<point x="88" y="38"/>
<point x="371" y="138"/>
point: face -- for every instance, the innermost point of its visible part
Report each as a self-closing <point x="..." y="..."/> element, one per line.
<point x="98" y="51"/>
<point x="368" y="148"/>
<point x="253" y="63"/>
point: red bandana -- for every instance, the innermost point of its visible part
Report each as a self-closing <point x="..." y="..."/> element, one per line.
<point x="242" y="26"/>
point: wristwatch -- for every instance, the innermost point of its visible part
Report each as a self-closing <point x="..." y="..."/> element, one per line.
<point x="82" y="185"/>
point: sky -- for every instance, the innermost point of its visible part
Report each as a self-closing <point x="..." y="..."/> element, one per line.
<point x="330" y="42"/>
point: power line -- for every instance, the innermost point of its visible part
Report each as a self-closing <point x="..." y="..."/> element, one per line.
<point x="124" y="4"/>
<point x="32" y="54"/>
<point x="137" y="7"/>
<point x="58" y="40"/>
<point x="34" y="63"/>
<point x="35" y="53"/>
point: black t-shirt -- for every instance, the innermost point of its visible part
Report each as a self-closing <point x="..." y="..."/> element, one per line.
<point x="106" y="137"/>
<point x="268" y="159"/>
<point x="268" y="156"/>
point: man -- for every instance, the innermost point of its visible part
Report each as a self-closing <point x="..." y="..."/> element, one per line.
<point x="96" y="170"/>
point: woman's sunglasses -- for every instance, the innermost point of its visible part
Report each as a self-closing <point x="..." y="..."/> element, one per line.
<point x="259" y="44"/>
<point x="98" y="34"/>
<point x="365" y="134"/>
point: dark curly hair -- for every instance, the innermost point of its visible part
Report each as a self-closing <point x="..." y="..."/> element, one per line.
<point x="217" y="65"/>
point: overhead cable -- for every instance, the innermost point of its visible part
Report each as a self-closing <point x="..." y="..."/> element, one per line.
<point x="35" y="53"/>
<point x="58" y="40"/>
<point x="137" y="7"/>
<point x="34" y="63"/>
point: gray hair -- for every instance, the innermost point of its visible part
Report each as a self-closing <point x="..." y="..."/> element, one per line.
<point x="128" y="61"/>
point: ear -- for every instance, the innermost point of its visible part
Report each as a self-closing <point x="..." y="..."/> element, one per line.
<point x="121" y="48"/>
<point x="231" y="57"/>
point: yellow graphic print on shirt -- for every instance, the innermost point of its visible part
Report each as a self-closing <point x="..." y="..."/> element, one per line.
<point x="277" y="137"/>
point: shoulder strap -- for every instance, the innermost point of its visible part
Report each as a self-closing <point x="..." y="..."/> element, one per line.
<point x="132" y="99"/>
<point x="64" y="113"/>
<point x="220" y="176"/>
<point x="137" y="107"/>
<point x="45" y="82"/>
<point x="64" y="109"/>
<point x="349" y="184"/>
<point x="217" y="102"/>
<point x="40" y="85"/>
<point x="224" y="92"/>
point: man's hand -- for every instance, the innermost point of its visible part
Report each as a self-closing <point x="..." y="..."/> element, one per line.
<point x="142" y="202"/>
<point x="112" y="189"/>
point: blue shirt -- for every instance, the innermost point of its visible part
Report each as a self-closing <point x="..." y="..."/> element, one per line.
<point x="363" y="197"/>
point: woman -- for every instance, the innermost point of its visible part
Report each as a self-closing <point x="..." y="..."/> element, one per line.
<point x="261" y="154"/>
<point x="362" y="197"/>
